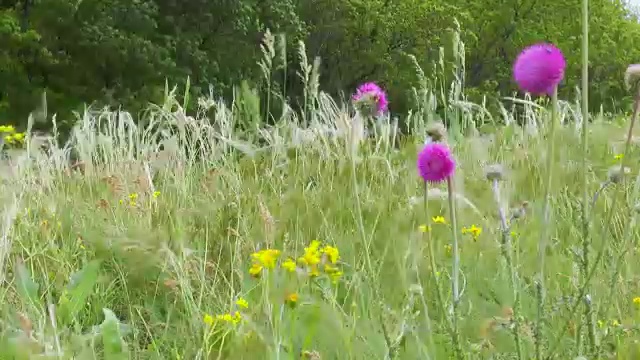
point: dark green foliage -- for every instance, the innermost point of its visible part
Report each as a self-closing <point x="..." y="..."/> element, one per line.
<point x="120" y="52"/>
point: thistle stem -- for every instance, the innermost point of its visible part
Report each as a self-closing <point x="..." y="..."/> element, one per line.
<point x="586" y="240"/>
<point x="600" y="253"/>
<point x="507" y="252"/>
<point x="455" y="271"/>
<point x="544" y="234"/>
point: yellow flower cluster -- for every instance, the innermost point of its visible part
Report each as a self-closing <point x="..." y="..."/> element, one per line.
<point x="424" y="228"/>
<point x="612" y="323"/>
<point x="438" y="220"/>
<point x="11" y="136"/>
<point x="229" y="318"/>
<point x="225" y="318"/>
<point x="263" y="259"/>
<point x="473" y="230"/>
<point x="315" y="259"/>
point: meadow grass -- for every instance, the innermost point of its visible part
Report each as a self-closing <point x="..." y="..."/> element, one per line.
<point x="215" y="236"/>
<point x="136" y="252"/>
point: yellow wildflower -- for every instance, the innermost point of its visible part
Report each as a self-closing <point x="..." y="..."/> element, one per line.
<point x="132" y="199"/>
<point x="636" y="300"/>
<point x="292" y="299"/>
<point x="18" y="137"/>
<point x="311" y="254"/>
<point x="156" y="194"/>
<point x="473" y="230"/>
<point x="615" y="323"/>
<point x="263" y="259"/>
<point x="600" y="323"/>
<point x="7" y="129"/>
<point x="208" y="319"/>
<point x="266" y="258"/>
<point x="438" y="220"/>
<point x="618" y="156"/>
<point x="332" y="253"/>
<point x="424" y="228"/>
<point x="289" y="265"/>
<point x="448" y="249"/>
<point x="236" y="317"/>
<point x="242" y="303"/>
<point x="255" y="270"/>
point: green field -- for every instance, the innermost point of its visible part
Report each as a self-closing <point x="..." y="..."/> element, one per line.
<point x="141" y="249"/>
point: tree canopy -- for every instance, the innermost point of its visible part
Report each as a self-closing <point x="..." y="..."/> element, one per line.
<point x="122" y="51"/>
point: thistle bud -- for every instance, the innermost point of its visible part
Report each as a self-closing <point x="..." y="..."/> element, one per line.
<point x="520" y="211"/>
<point x="494" y="172"/>
<point x="616" y="174"/>
<point x="437" y="132"/>
<point x="632" y="76"/>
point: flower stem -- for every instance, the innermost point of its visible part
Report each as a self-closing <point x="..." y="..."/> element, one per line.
<point x="626" y="245"/>
<point x="507" y="252"/>
<point x="607" y="222"/>
<point x="544" y="234"/>
<point x="586" y="240"/>
<point x="434" y="273"/>
<point x="455" y="272"/>
<point x="432" y="256"/>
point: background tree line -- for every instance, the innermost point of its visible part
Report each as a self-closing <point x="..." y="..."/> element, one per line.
<point x="121" y="51"/>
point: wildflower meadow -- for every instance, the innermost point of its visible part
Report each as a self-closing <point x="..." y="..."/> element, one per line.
<point x="330" y="233"/>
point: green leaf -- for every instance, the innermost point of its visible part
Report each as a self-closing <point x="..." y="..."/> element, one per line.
<point x="78" y="291"/>
<point x="27" y="288"/>
<point x="112" y="337"/>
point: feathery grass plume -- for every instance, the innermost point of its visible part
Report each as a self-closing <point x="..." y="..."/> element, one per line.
<point x="436" y="164"/>
<point x="538" y="70"/>
<point x="494" y="174"/>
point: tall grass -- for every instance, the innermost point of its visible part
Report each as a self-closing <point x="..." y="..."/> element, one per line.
<point x="135" y="250"/>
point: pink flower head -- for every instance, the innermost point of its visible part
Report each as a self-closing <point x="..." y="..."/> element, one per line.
<point x="435" y="163"/>
<point x="539" y="69"/>
<point x="370" y="99"/>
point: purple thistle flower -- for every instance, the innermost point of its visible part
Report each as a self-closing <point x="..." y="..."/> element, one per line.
<point x="435" y="163"/>
<point x="539" y="69"/>
<point x="370" y="99"/>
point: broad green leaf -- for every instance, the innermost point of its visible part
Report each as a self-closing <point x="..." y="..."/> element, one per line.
<point x="78" y="291"/>
<point x="27" y="288"/>
<point x="115" y="348"/>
